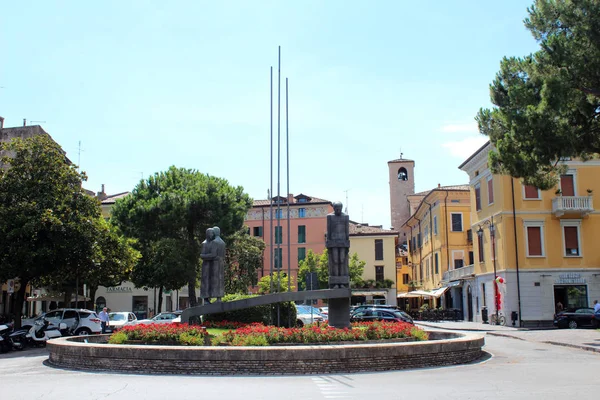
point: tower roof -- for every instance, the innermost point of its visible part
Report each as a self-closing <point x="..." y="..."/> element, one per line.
<point x="401" y="160"/>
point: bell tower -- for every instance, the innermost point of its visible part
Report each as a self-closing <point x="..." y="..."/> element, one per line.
<point x="402" y="184"/>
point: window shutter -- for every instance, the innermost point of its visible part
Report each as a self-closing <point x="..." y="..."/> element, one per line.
<point x="478" y="197"/>
<point x="534" y="239"/>
<point x="571" y="240"/>
<point x="491" y="191"/>
<point x="531" y="192"/>
<point x="566" y="185"/>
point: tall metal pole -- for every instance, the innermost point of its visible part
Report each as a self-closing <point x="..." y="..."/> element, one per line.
<point x="287" y="148"/>
<point x="279" y="176"/>
<point x="493" y="237"/>
<point x="271" y="248"/>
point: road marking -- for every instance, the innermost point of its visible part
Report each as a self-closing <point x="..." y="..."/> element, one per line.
<point x="332" y="388"/>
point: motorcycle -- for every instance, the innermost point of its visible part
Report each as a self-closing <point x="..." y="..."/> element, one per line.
<point x="37" y="335"/>
<point x="5" y="343"/>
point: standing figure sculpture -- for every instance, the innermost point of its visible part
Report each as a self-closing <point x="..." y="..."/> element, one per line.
<point x="211" y="284"/>
<point x="219" y="282"/>
<point x="338" y="246"/>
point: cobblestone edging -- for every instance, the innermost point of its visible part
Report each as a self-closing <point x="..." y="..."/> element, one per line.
<point x="444" y="349"/>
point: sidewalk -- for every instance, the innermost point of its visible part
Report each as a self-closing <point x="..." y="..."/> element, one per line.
<point x="585" y="339"/>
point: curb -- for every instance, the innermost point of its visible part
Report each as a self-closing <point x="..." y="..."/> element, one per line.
<point x="575" y="346"/>
<point x="464" y="329"/>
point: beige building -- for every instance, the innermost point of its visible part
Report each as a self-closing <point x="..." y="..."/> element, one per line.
<point x="377" y="247"/>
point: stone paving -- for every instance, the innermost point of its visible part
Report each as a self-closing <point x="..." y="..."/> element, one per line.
<point x="586" y="339"/>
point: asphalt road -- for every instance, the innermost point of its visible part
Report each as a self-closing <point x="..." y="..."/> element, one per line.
<point x="517" y="369"/>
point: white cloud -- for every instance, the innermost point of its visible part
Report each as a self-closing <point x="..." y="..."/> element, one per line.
<point x="464" y="148"/>
<point x="470" y="127"/>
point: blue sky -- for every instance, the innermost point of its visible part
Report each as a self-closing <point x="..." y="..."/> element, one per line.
<point x="146" y="84"/>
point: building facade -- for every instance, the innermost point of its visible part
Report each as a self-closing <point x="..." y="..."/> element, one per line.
<point x="376" y="247"/>
<point x="306" y="230"/>
<point x="541" y="243"/>
<point x="439" y="242"/>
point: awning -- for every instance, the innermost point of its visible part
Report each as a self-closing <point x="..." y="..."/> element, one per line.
<point x="407" y="295"/>
<point x="57" y="298"/>
<point x="425" y="293"/>
<point x="369" y="293"/>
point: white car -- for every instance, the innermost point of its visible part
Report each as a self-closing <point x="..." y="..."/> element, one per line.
<point x="119" y="319"/>
<point x="162" y="318"/>
<point x="307" y="315"/>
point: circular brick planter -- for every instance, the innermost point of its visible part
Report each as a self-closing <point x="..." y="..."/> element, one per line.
<point x="92" y="353"/>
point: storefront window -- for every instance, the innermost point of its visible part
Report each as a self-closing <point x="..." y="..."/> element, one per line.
<point x="140" y="306"/>
<point x="571" y="297"/>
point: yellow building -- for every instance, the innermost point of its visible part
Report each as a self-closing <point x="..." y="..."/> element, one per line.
<point x="377" y="247"/>
<point x="541" y="243"/>
<point x="439" y="242"/>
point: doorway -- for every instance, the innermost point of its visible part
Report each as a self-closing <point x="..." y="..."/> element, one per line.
<point x="469" y="304"/>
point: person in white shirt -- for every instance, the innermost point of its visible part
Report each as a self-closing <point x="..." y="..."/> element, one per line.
<point x="103" y="319"/>
<point x="596" y="306"/>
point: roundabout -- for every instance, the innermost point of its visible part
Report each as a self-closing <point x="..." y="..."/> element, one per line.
<point x="93" y="353"/>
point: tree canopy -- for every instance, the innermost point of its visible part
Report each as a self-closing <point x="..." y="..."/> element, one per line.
<point x="51" y="230"/>
<point x="547" y="104"/>
<point x="243" y="258"/>
<point x="319" y="263"/>
<point x="168" y="214"/>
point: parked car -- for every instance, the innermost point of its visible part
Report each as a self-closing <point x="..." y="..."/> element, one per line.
<point x="324" y="311"/>
<point x="381" y="314"/>
<point x="355" y="309"/>
<point x="161" y="318"/>
<point x="308" y="315"/>
<point x="78" y="321"/>
<point x="117" y="320"/>
<point x="574" y="319"/>
<point x="596" y="319"/>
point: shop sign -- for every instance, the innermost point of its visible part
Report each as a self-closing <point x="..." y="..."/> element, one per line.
<point x="119" y="289"/>
<point x="570" y="278"/>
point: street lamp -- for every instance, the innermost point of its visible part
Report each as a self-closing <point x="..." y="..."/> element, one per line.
<point x="490" y="223"/>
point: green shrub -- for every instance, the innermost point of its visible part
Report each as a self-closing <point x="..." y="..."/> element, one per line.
<point x="117" y="338"/>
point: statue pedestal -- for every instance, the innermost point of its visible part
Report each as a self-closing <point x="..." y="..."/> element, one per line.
<point x="340" y="281"/>
<point x="339" y="312"/>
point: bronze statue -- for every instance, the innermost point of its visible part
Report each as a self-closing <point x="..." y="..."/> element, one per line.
<point x="338" y="246"/>
<point x="213" y="260"/>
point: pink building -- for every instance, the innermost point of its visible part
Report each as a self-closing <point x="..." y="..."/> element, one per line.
<point x="307" y="228"/>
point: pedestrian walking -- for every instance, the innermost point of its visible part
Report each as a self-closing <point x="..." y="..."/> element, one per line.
<point x="103" y="319"/>
<point x="596" y="306"/>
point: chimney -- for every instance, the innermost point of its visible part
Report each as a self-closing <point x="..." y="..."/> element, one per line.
<point x="439" y="186"/>
<point x="290" y="198"/>
<point x="24" y="122"/>
<point x="101" y="195"/>
<point x="1" y="122"/>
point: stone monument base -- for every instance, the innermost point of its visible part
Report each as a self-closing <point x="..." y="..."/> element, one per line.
<point x="339" y="312"/>
<point x="339" y="281"/>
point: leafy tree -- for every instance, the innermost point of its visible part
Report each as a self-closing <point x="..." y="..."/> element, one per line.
<point x="311" y="263"/>
<point x="169" y="214"/>
<point x="280" y="281"/>
<point x="45" y="216"/>
<point x="320" y="264"/>
<point x="547" y="104"/>
<point x="100" y="257"/>
<point x="243" y="258"/>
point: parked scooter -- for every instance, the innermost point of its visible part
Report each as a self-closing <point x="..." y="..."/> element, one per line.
<point x="5" y="331"/>
<point x="39" y="333"/>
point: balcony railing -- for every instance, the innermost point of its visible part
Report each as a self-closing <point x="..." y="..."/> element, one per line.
<point x="582" y="205"/>
<point x="456" y="274"/>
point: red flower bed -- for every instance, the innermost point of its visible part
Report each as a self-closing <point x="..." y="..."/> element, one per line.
<point x="261" y="335"/>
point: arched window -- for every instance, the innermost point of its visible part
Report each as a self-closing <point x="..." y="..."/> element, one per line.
<point x="402" y="174"/>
